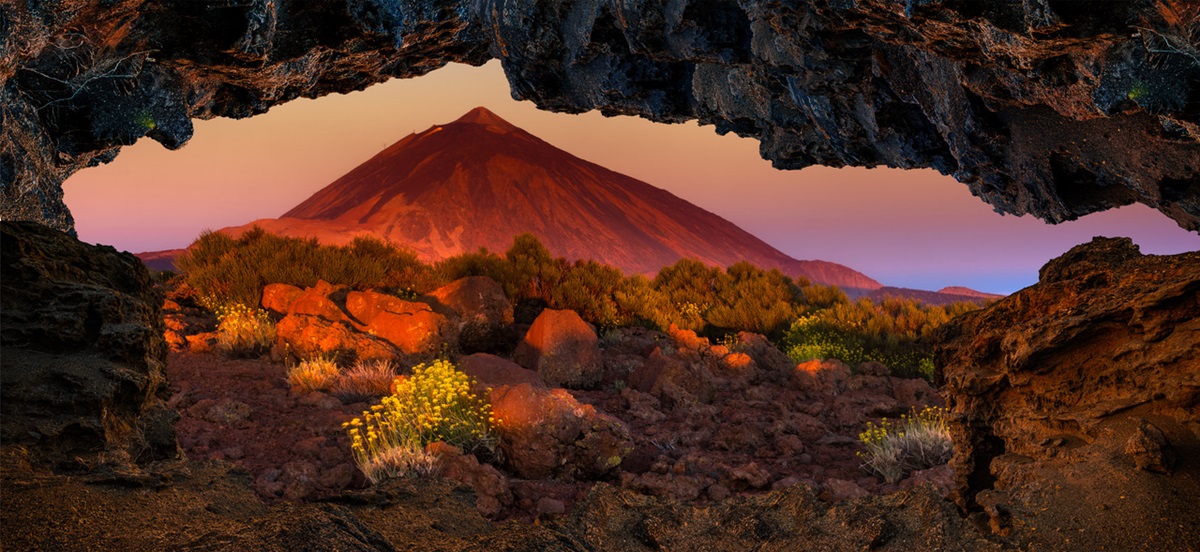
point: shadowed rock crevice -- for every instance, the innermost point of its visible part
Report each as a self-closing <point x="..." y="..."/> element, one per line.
<point x="1056" y="109"/>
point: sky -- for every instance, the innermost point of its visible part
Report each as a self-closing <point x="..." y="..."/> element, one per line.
<point x="913" y="228"/>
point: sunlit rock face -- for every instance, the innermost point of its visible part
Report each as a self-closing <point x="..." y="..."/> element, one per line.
<point x="1052" y="108"/>
<point x="1082" y="394"/>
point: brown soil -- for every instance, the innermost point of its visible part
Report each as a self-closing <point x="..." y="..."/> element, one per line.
<point x="243" y="411"/>
<point x="293" y="447"/>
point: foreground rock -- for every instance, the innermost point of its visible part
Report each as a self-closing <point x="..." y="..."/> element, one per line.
<point x="1080" y="396"/>
<point x="546" y="433"/>
<point x="1041" y="107"/>
<point x="483" y="314"/>
<point x="563" y="349"/>
<point x="82" y="382"/>
<point x="209" y="507"/>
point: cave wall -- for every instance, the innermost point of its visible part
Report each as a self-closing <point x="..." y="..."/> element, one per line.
<point x="1081" y="395"/>
<point x="83" y="381"/>
<point x="1046" y="107"/>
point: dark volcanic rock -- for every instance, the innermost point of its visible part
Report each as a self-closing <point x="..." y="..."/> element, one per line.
<point x="1059" y="393"/>
<point x="210" y="508"/>
<point x="484" y="313"/>
<point x="1046" y="107"/>
<point x="82" y="379"/>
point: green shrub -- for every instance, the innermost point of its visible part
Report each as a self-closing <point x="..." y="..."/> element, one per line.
<point x="532" y="270"/>
<point x="742" y="297"/>
<point x="755" y="300"/>
<point x="894" y="332"/>
<point x="479" y="263"/>
<point x="818" y="297"/>
<point x="236" y="270"/>
<point x="918" y="441"/>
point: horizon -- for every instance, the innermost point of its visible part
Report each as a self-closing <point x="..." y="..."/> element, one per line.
<point x="941" y="238"/>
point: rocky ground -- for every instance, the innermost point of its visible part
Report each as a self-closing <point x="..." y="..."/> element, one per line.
<point x="692" y="421"/>
<point x="1073" y="410"/>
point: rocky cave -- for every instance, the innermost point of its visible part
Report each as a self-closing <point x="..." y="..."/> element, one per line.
<point x="1074" y="403"/>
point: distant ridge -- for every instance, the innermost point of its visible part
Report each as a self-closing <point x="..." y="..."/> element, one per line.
<point x="480" y="180"/>
<point x="944" y="296"/>
<point x="160" y="260"/>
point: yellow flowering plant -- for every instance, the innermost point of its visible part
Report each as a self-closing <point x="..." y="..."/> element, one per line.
<point x="243" y="331"/>
<point x="918" y="440"/>
<point x="434" y="404"/>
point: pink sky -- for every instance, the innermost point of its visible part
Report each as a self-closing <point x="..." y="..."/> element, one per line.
<point x="903" y="228"/>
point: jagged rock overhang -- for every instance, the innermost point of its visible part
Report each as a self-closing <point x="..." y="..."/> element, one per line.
<point x="1039" y="107"/>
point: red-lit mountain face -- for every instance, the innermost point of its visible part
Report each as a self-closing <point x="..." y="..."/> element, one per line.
<point x="479" y="181"/>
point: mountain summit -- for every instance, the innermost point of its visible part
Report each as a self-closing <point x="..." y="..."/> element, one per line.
<point x="480" y="180"/>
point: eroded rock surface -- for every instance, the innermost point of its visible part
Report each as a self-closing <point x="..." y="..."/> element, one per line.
<point x="1081" y="395"/>
<point x="1052" y="108"/>
<point x="82" y="381"/>
<point x="547" y="433"/>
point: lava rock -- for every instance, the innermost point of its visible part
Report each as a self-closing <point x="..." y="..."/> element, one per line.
<point x="1108" y="338"/>
<point x="483" y="314"/>
<point x="547" y="433"/>
<point x="563" y="349"/>
<point x="83" y="380"/>
<point x="1039" y="107"/>
<point x="1150" y="449"/>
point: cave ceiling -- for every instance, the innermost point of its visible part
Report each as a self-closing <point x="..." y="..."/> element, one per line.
<point x="1046" y="107"/>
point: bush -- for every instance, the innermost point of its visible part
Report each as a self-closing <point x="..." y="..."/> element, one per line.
<point x="434" y="404"/>
<point x="918" y="441"/>
<point x="532" y="270"/>
<point x="715" y="302"/>
<point x="365" y="380"/>
<point x="479" y="263"/>
<point x="754" y="300"/>
<point x="894" y="332"/>
<point x="243" y="331"/>
<point x="314" y="374"/>
<point x="235" y="270"/>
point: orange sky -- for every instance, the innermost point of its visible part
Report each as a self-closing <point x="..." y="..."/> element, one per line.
<point x="906" y="228"/>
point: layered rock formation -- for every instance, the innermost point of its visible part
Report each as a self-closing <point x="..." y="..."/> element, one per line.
<point x="1052" y="108"/>
<point x="1081" y="396"/>
<point x="82" y="383"/>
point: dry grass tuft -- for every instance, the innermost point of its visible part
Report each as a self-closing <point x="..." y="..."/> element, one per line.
<point x="315" y="374"/>
<point x="404" y="460"/>
<point x="365" y="380"/>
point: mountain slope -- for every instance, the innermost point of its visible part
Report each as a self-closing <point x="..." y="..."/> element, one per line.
<point x="480" y="180"/>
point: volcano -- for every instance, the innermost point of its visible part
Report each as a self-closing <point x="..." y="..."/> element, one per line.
<point x="479" y="181"/>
